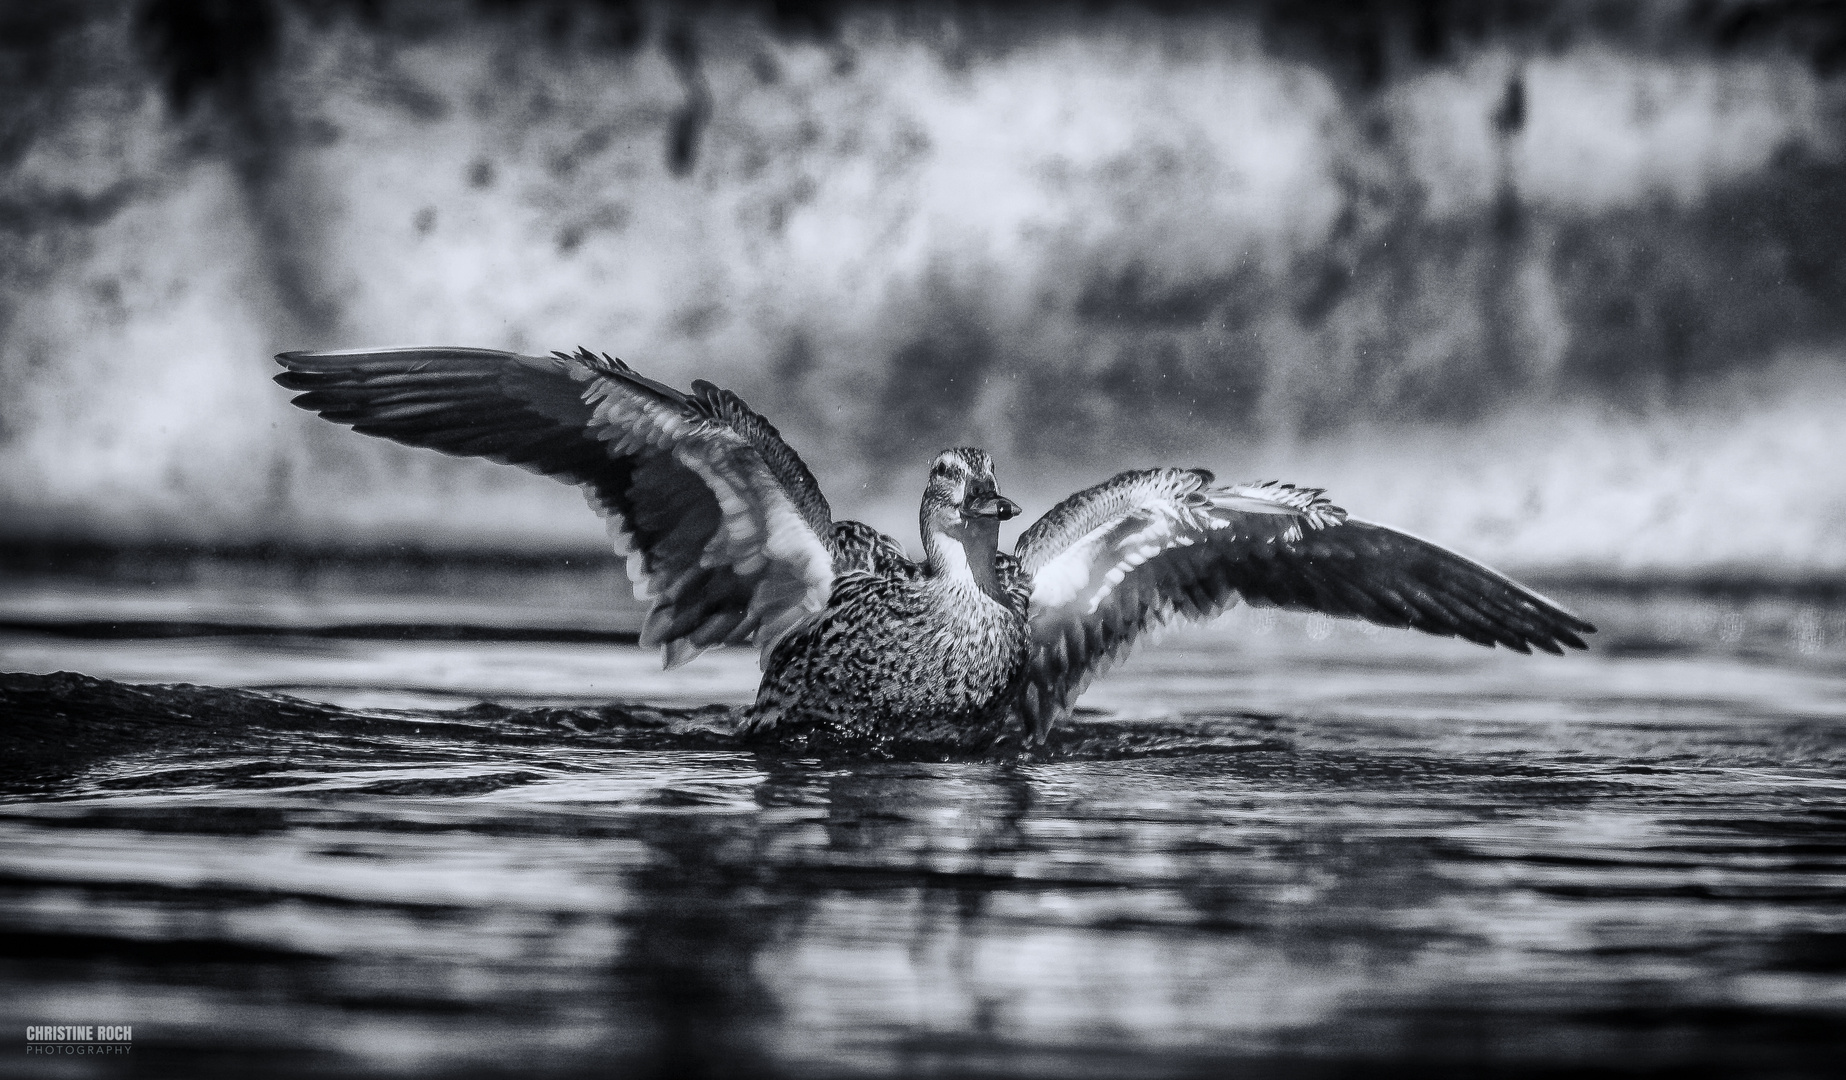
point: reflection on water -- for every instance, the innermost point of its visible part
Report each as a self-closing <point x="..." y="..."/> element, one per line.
<point x="1278" y="847"/>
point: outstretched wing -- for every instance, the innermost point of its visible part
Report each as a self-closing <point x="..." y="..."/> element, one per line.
<point x="1148" y="548"/>
<point x="724" y="527"/>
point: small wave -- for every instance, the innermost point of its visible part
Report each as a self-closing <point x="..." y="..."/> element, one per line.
<point x="62" y="723"/>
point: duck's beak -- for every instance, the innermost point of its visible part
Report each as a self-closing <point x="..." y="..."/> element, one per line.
<point x="991" y="505"/>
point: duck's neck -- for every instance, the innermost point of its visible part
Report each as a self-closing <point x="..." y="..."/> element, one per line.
<point x="965" y="555"/>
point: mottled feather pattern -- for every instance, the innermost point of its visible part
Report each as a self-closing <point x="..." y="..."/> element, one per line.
<point x="900" y="660"/>
<point x="1080" y="514"/>
<point x="727" y="535"/>
<point x="761" y="540"/>
<point x="1309" y="505"/>
<point x="783" y="463"/>
<point x="858" y="546"/>
<point x="1016" y="582"/>
<point x="907" y="655"/>
<point x="1165" y="547"/>
<point x="713" y="537"/>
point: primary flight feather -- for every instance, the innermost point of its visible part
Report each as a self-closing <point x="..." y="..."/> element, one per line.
<point x="730" y="539"/>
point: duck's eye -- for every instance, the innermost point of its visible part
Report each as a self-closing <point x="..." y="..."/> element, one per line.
<point x="952" y="478"/>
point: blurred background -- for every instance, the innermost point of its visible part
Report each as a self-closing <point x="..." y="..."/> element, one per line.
<point x="1561" y="284"/>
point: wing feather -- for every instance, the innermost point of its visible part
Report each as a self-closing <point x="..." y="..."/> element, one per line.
<point x="1148" y="548"/>
<point x="723" y="525"/>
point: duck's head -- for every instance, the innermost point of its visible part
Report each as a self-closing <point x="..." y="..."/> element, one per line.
<point x="962" y="496"/>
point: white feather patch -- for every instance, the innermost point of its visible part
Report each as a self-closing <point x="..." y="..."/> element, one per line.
<point x="1059" y="581"/>
<point x="636" y="568"/>
<point x="760" y="535"/>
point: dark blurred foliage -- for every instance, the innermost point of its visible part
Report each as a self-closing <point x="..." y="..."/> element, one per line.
<point x="220" y="46"/>
<point x="209" y="46"/>
<point x="1658" y="295"/>
<point x="1393" y="312"/>
<point x="1814" y="28"/>
<point x="223" y="50"/>
<point x="1665" y="297"/>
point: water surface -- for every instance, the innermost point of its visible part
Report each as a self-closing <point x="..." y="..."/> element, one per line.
<point x="1276" y="846"/>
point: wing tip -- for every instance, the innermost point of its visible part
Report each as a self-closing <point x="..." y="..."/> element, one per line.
<point x="678" y="653"/>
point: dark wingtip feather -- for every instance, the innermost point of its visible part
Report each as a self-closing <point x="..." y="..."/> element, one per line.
<point x="1561" y="626"/>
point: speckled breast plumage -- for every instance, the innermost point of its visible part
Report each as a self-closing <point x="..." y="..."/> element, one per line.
<point x="727" y="534"/>
<point x="898" y="658"/>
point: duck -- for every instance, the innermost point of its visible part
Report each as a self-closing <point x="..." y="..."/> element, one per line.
<point x="730" y="541"/>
